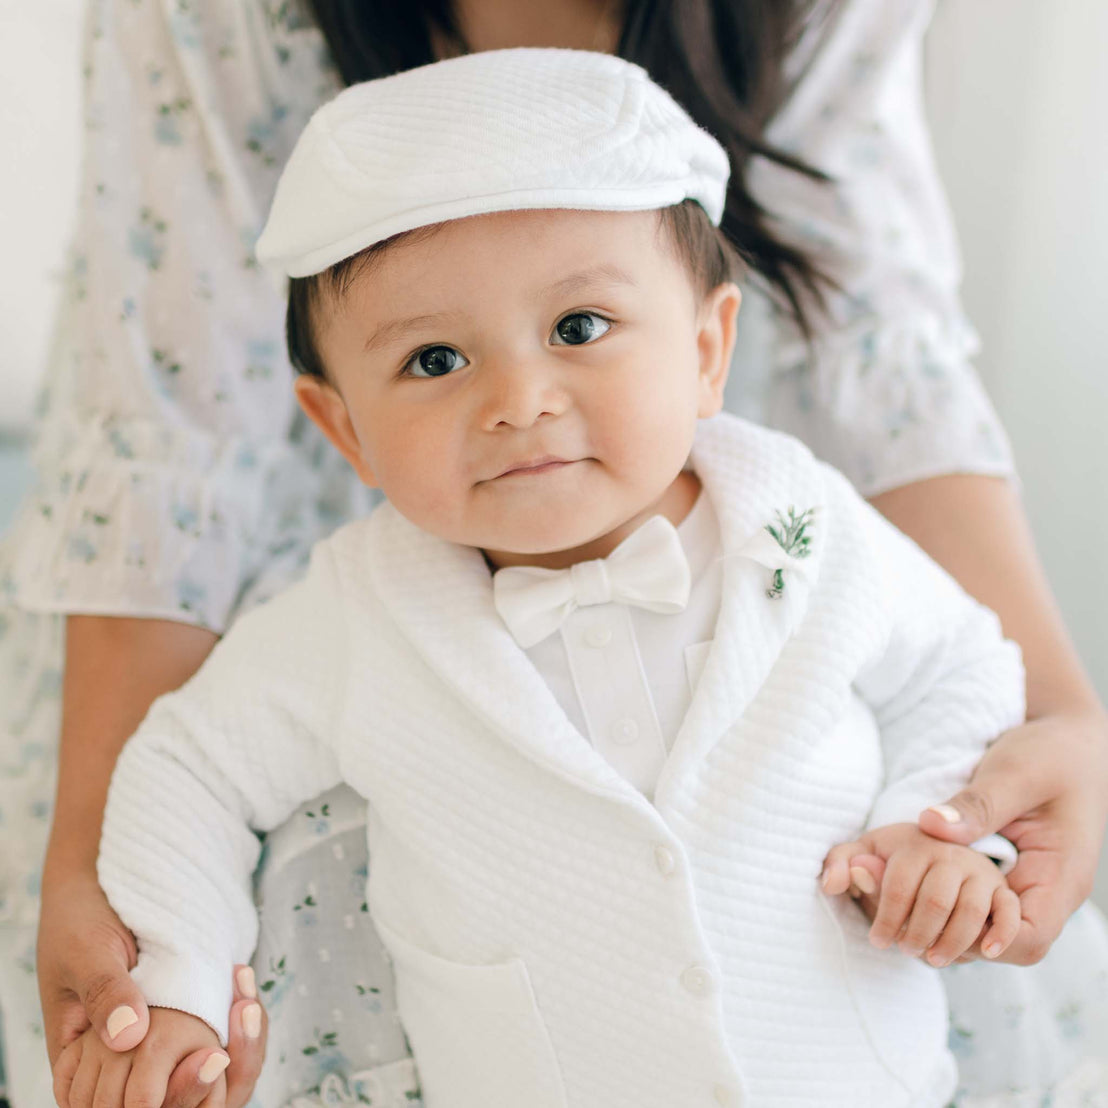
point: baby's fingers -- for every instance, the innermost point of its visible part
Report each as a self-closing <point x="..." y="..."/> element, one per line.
<point x="835" y="879"/>
<point x="967" y="919"/>
<point x="113" y="1080"/>
<point x="903" y="876"/>
<point x="935" y="902"/>
<point x="64" y="1070"/>
<point x="83" y="1087"/>
<point x="1006" y="923"/>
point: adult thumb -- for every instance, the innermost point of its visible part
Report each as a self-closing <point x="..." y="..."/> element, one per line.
<point x="113" y="1002"/>
<point x="1001" y="791"/>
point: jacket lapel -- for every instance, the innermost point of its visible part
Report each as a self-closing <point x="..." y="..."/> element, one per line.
<point x="440" y="596"/>
<point x="750" y="474"/>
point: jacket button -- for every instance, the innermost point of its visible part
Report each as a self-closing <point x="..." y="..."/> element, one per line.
<point x="664" y="860"/>
<point x="697" y="980"/>
<point x="624" y="731"/>
<point x="598" y="635"/>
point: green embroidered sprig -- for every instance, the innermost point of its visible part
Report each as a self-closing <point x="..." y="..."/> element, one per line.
<point x="791" y="536"/>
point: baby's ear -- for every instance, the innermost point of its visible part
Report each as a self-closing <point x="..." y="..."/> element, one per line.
<point x="715" y="343"/>
<point x="324" y="406"/>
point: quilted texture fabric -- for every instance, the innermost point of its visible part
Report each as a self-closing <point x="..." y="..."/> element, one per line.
<point x="558" y="940"/>
<point x="487" y="132"/>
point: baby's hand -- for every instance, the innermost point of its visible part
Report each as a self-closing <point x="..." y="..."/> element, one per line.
<point x="88" y="1073"/>
<point x="935" y="897"/>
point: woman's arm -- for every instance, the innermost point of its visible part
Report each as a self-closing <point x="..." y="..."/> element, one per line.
<point x="1044" y="785"/>
<point x="885" y="390"/>
<point x="169" y="471"/>
<point x="114" y="670"/>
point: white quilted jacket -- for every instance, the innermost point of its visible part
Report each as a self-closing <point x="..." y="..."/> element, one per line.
<point x="558" y="940"/>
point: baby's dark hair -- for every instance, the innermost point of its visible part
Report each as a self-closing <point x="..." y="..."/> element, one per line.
<point x="706" y="252"/>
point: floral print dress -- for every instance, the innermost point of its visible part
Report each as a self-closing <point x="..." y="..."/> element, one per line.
<point x="175" y="479"/>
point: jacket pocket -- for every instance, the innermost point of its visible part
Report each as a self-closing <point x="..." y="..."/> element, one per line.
<point x="476" y="1032"/>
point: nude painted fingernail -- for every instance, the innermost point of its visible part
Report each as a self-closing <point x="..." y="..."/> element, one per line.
<point x="863" y="879"/>
<point x="252" y="1021"/>
<point x="991" y="950"/>
<point x="121" y="1019"/>
<point x="948" y="812"/>
<point x="247" y="986"/>
<point x="213" y="1066"/>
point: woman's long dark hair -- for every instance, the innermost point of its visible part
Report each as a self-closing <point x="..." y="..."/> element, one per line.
<point x="720" y="59"/>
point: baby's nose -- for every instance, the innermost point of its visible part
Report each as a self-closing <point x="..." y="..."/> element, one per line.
<point x="521" y="391"/>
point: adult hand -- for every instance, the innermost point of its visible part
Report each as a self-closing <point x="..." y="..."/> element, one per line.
<point x="1043" y="785"/>
<point x="84" y="957"/>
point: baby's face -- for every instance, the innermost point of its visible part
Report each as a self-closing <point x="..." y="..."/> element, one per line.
<point x="524" y="382"/>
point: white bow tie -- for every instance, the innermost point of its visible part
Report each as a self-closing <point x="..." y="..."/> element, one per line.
<point x="648" y="569"/>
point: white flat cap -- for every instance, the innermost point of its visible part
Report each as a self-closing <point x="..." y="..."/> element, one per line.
<point x="494" y="131"/>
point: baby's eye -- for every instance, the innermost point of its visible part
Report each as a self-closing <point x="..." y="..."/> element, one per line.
<point x="580" y="327"/>
<point x="434" y="361"/>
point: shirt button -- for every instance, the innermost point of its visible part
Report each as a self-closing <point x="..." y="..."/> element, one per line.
<point x="697" y="980"/>
<point x="598" y="635"/>
<point x="624" y="731"/>
<point x="724" y="1095"/>
<point x="664" y="860"/>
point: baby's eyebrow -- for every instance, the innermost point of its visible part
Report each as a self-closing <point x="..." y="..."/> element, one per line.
<point x="605" y="274"/>
<point x="595" y="277"/>
<point x="397" y="328"/>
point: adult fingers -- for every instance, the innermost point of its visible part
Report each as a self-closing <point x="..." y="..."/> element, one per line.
<point x="217" y="1098"/>
<point x="1018" y="773"/>
<point x="111" y="1000"/>
<point x="1036" y="880"/>
<point x="84" y="955"/>
<point x="246" y="1046"/>
<point x="193" y="1081"/>
<point x="248" y="1031"/>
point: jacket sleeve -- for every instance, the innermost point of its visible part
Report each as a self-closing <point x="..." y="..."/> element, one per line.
<point x="234" y="751"/>
<point x="943" y="685"/>
<point x="171" y="464"/>
<point x="886" y="391"/>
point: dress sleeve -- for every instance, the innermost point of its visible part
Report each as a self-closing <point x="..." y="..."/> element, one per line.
<point x="945" y="682"/>
<point x="886" y="391"/>
<point x="171" y="464"/>
<point x="247" y="739"/>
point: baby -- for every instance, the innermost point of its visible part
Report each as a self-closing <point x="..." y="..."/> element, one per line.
<point x="626" y="682"/>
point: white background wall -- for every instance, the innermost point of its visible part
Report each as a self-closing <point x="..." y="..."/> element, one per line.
<point x="39" y="138"/>
<point x="1017" y="93"/>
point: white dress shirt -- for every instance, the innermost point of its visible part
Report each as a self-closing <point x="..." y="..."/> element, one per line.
<point x="624" y="675"/>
